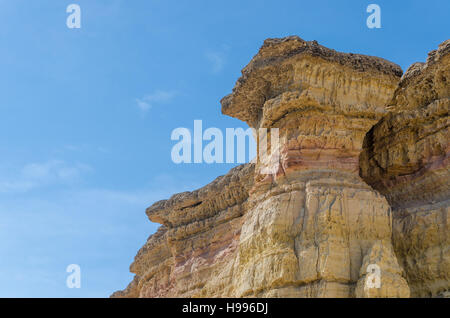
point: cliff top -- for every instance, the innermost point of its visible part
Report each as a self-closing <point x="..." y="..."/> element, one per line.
<point x="281" y="61"/>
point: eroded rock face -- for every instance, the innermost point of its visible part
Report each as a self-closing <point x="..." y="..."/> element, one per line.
<point x="315" y="221"/>
<point x="193" y="252"/>
<point x="315" y="227"/>
<point x="406" y="158"/>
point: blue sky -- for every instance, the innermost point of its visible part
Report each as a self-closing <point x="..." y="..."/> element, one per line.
<point x="86" y="114"/>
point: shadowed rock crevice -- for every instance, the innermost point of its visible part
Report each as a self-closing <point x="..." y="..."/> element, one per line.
<point x="406" y="158"/>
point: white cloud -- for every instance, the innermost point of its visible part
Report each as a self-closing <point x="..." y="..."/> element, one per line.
<point x="54" y="170"/>
<point x="217" y="58"/>
<point x="158" y="97"/>
<point x="97" y="228"/>
<point x="86" y="148"/>
<point x="35" y="175"/>
<point x="72" y="148"/>
<point x="15" y="186"/>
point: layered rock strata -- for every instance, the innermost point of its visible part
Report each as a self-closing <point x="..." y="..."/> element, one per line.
<point x="193" y="252"/>
<point x="313" y="228"/>
<point x="406" y="158"/>
<point x="315" y="222"/>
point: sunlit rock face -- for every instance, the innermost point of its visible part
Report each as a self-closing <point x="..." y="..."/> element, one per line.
<point x="406" y="158"/>
<point x="314" y="227"/>
<point x="194" y="251"/>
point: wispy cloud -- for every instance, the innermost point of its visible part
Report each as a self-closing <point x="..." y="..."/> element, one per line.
<point x="79" y="148"/>
<point x="157" y="97"/>
<point x="39" y="174"/>
<point x="217" y="58"/>
<point x="15" y="186"/>
<point x="98" y="228"/>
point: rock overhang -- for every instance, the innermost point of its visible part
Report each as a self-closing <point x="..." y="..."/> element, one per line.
<point x="309" y="75"/>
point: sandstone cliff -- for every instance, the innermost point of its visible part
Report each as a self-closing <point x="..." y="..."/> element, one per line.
<point x="406" y="158"/>
<point x="314" y="228"/>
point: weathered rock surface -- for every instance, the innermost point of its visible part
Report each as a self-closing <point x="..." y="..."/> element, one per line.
<point x="406" y="158"/>
<point x="315" y="227"/>
<point x="193" y="252"/>
<point x="314" y="221"/>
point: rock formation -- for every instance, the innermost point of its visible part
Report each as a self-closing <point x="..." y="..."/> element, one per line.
<point x="192" y="253"/>
<point x="314" y="228"/>
<point x="406" y="158"/>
